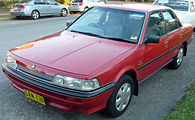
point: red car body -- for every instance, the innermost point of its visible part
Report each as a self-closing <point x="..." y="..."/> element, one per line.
<point x="86" y="57"/>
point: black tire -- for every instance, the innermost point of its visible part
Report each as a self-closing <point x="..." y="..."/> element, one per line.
<point x="19" y="17"/>
<point x="112" y="109"/>
<point x="35" y="15"/>
<point x="86" y="8"/>
<point x="194" y="29"/>
<point x="64" y="12"/>
<point x="178" y="59"/>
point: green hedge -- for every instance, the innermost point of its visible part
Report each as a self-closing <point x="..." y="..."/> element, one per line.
<point x="60" y="1"/>
<point x="8" y="3"/>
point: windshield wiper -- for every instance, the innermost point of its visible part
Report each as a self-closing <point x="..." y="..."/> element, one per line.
<point x="120" y="39"/>
<point x="91" y="34"/>
<point x="86" y="33"/>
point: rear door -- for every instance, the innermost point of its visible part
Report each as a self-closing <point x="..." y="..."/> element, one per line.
<point x="42" y="6"/>
<point x="54" y="7"/>
<point x="174" y="32"/>
<point x="155" y="54"/>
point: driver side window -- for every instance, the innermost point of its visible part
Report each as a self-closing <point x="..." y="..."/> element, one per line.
<point x="156" y="25"/>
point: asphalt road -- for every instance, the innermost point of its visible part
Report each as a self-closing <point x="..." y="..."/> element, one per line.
<point x="157" y="96"/>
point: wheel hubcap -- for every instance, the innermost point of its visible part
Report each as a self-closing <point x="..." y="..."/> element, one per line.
<point x="35" y="15"/>
<point x="123" y="96"/>
<point x="63" y="12"/>
<point x="180" y="56"/>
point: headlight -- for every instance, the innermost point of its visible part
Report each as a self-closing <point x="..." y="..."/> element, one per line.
<point x="74" y="83"/>
<point x="11" y="62"/>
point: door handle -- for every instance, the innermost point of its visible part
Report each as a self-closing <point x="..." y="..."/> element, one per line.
<point x="166" y="42"/>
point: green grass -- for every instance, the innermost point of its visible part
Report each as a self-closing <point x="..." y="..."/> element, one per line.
<point x="185" y="109"/>
<point x="4" y="12"/>
<point x="4" y="16"/>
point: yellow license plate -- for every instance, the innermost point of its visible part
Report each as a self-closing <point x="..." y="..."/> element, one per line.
<point x="34" y="97"/>
<point x="74" y="5"/>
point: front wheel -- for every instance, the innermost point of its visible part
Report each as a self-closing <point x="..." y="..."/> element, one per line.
<point x="63" y="12"/>
<point x="35" y="15"/>
<point x="177" y="59"/>
<point x="120" y="97"/>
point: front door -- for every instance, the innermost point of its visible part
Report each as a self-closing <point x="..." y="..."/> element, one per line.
<point x="155" y="54"/>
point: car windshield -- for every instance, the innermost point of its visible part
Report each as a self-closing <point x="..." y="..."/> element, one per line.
<point x="24" y="1"/>
<point x="110" y="23"/>
<point x="181" y="5"/>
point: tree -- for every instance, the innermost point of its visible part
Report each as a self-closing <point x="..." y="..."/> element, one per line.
<point x="5" y="3"/>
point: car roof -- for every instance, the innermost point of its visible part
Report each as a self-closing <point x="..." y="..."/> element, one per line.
<point x="136" y="6"/>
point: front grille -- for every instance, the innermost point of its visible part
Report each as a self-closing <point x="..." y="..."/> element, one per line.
<point x="35" y="73"/>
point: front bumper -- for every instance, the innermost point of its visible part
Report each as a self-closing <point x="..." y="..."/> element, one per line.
<point x="86" y="102"/>
<point x="76" y="8"/>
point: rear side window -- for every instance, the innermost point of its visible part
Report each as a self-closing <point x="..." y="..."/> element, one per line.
<point x="172" y="23"/>
<point x="40" y="2"/>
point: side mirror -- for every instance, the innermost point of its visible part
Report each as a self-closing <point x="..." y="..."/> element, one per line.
<point x="152" y="39"/>
<point x="68" y="23"/>
<point x="55" y="3"/>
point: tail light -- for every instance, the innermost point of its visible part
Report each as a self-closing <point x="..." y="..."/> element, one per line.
<point x="11" y="7"/>
<point x="22" y="7"/>
<point x="81" y="3"/>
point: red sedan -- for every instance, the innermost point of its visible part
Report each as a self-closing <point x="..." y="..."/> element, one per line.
<point x="100" y="59"/>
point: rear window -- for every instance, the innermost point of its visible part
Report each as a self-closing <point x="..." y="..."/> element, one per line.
<point x="24" y="1"/>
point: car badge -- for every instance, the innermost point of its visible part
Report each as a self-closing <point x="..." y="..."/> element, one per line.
<point x="33" y="66"/>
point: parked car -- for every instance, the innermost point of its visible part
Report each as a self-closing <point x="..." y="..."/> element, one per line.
<point x="83" y="5"/>
<point x="37" y="8"/>
<point x="184" y="9"/>
<point x="98" y="61"/>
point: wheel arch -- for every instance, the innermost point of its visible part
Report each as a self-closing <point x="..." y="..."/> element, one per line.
<point x="65" y="9"/>
<point x="36" y="10"/>
<point x="130" y="71"/>
<point x="133" y="75"/>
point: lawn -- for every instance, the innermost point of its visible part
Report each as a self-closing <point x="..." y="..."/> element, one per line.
<point x="185" y="109"/>
<point x="4" y="16"/>
<point x="4" y="12"/>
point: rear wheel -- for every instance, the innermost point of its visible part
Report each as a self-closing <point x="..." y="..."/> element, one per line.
<point x="63" y="12"/>
<point x="35" y="15"/>
<point x="120" y="97"/>
<point x="86" y="8"/>
<point x="177" y="59"/>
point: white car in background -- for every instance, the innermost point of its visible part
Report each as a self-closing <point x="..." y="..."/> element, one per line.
<point x="185" y="9"/>
<point x="83" y="5"/>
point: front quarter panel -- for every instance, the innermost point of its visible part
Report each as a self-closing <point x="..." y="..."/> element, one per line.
<point x="112" y="71"/>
